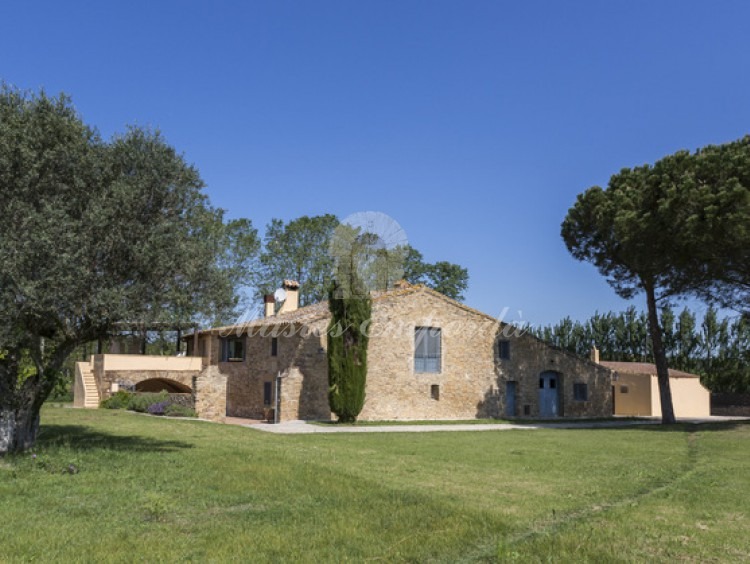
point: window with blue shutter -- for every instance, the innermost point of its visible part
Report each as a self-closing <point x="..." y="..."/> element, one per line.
<point x="427" y="349"/>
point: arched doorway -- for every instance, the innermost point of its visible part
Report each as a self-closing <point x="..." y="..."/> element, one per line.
<point x="549" y="394"/>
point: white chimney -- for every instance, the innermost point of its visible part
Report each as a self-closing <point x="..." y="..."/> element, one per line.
<point x="291" y="303"/>
<point x="594" y="354"/>
<point x="269" y="304"/>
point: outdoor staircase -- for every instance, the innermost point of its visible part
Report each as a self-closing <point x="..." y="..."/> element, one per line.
<point x="90" y="391"/>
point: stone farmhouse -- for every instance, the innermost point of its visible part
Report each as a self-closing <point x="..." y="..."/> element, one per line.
<point x="429" y="357"/>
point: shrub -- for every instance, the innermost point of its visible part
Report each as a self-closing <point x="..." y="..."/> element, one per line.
<point x="118" y="400"/>
<point x="141" y="402"/>
<point x="175" y="410"/>
<point x="158" y="408"/>
<point x="148" y="402"/>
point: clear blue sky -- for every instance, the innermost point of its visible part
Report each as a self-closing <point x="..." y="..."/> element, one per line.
<point x="473" y="124"/>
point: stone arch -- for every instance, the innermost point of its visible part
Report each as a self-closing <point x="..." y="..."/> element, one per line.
<point x="159" y="384"/>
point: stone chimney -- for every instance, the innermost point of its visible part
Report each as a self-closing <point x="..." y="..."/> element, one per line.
<point x="291" y="303"/>
<point x="594" y="354"/>
<point x="269" y="304"/>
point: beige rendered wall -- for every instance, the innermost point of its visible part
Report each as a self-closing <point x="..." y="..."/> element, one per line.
<point x="139" y="362"/>
<point x="134" y="368"/>
<point x="637" y="401"/>
<point x="79" y="391"/>
<point x="689" y="397"/>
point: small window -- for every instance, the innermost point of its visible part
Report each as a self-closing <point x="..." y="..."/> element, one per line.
<point x="623" y="389"/>
<point x="427" y="348"/>
<point x="274" y="346"/>
<point x="267" y="393"/>
<point x="580" y="392"/>
<point x="435" y="391"/>
<point x="233" y="350"/>
<point x="552" y="383"/>
<point x="541" y="383"/>
<point x="503" y="350"/>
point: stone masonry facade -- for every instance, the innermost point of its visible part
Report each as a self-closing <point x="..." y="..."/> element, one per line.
<point x="471" y="381"/>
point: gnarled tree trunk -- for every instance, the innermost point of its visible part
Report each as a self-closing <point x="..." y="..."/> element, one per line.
<point x="20" y="403"/>
<point x="18" y="428"/>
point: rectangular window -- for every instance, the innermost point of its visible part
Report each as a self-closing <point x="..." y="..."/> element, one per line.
<point x="623" y="389"/>
<point x="427" y="349"/>
<point x="274" y="346"/>
<point x="232" y="349"/>
<point x="503" y="350"/>
<point x="580" y="392"/>
<point x="267" y="393"/>
<point x="435" y="391"/>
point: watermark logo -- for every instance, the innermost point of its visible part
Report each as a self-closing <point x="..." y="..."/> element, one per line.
<point x="369" y="250"/>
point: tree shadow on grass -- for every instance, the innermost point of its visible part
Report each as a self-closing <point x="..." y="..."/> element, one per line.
<point x="79" y="437"/>
<point x="679" y="427"/>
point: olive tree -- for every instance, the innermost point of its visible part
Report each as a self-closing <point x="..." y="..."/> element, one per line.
<point x="94" y="233"/>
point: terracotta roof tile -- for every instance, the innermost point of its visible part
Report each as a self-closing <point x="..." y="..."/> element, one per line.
<point x="644" y="368"/>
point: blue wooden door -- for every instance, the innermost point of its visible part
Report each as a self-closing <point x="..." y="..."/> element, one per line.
<point x="510" y="399"/>
<point x="548" y="394"/>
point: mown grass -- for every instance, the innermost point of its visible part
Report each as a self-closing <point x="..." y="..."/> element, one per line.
<point x="114" y="486"/>
<point x="487" y="421"/>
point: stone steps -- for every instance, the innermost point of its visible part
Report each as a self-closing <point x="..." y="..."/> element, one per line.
<point x="91" y="394"/>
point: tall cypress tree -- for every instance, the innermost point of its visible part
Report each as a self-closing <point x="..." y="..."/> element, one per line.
<point x="348" y="333"/>
<point x="348" y="337"/>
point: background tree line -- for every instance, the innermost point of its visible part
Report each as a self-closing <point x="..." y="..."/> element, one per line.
<point x="716" y="349"/>
<point x="301" y="249"/>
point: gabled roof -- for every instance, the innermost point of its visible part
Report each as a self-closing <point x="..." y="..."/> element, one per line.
<point x="644" y="368"/>
<point x="316" y="312"/>
<point x="312" y="313"/>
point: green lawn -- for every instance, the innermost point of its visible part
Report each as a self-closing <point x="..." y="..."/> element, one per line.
<point x="151" y="489"/>
<point x="489" y="421"/>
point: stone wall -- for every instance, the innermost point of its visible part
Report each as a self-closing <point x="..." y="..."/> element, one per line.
<point x="396" y="392"/>
<point x="304" y="372"/>
<point x="301" y="362"/>
<point x="471" y="382"/>
<point x="132" y="377"/>
<point x="472" y="379"/>
<point x="529" y="357"/>
<point x="210" y="391"/>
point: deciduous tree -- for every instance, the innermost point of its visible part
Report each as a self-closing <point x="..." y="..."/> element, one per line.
<point x="298" y="249"/>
